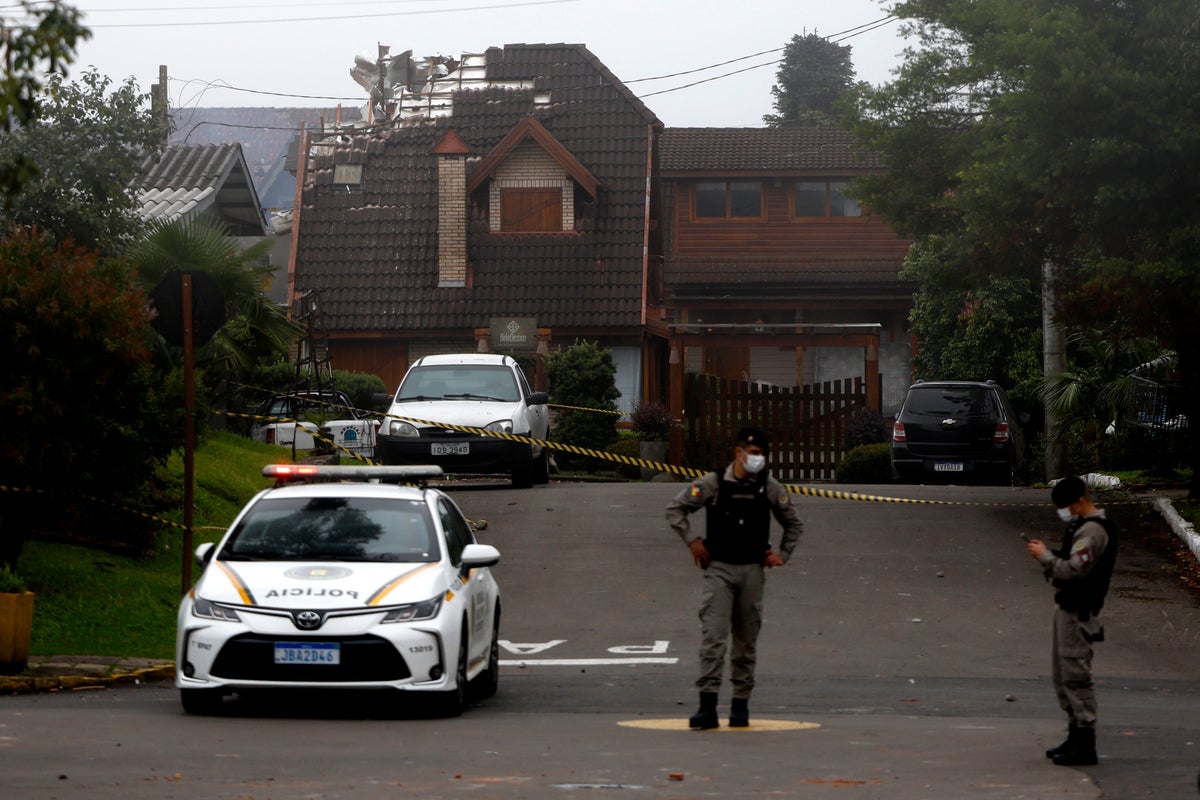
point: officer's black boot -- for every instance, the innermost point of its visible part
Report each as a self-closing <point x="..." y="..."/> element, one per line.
<point x="1072" y="733"/>
<point x="706" y="716"/>
<point x="739" y="713"/>
<point x="1080" y="754"/>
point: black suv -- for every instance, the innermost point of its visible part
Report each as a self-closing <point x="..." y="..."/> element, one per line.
<point x="957" y="430"/>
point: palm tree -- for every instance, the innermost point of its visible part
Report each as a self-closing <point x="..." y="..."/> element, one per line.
<point x="255" y="326"/>
<point x="1100" y="389"/>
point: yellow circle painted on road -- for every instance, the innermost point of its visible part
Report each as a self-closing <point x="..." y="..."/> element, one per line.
<point x="756" y="725"/>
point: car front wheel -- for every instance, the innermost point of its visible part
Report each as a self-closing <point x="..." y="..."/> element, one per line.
<point x="201" y="702"/>
<point x="487" y="682"/>
<point x="454" y="701"/>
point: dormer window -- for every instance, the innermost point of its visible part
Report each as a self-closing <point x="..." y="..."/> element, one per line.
<point x="531" y="181"/>
<point x="532" y="210"/>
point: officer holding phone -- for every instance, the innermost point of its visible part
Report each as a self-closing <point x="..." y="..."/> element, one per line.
<point x="1080" y="570"/>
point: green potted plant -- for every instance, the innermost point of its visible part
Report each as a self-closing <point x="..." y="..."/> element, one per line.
<point x="652" y="422"/>
<point x="16" y="621"/>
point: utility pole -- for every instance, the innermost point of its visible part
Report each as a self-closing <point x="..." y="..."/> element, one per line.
<point x="1054" y="361"/>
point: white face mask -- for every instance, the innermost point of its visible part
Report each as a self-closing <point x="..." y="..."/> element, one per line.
<point x="1065" y="514"/>
<point x="754" y="464"/>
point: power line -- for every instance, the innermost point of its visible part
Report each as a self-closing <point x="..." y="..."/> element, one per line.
<point x="337" y="18"/>
<point x="849" y="33"/>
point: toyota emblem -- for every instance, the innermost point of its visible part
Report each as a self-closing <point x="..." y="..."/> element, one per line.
<point x="308" y="620"/>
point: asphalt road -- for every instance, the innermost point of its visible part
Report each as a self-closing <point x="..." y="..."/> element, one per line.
<point x="905" y="655"/>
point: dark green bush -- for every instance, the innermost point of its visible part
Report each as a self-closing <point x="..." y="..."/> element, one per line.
<point x="583" y="378"/>
<point x="864" y="426"/>
<point x="628" y="446"/>
<point x="867" y="463"/>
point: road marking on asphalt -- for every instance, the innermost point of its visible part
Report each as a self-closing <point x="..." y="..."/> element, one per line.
<point x="756" y="725"/>
<point x="583" y="662"/>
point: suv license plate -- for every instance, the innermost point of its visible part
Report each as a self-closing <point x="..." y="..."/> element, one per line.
<point x="308" y="653"/>
<point x="948" y="466"/>
<point x="451" y="449"/>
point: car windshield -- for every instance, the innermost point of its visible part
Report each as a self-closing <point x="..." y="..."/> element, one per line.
<point x="459" y="382"/>
<point x="955" y="401"/>
<point x="333" y="529"/>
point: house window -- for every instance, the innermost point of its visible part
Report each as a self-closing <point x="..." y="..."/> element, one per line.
<point x="728" y="199"/>
<point x="823" y="199"/>
<point x="348" y="174"/>
<point x="531" y="210"/>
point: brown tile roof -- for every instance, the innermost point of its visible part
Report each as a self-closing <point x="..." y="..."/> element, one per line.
<point x="194" y="179"/>
<point x="373" y="252"/>
<point x="685" y="151"/>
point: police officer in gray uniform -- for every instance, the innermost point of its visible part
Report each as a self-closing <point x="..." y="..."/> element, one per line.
<point x="733" y="550"/>
<point x="1080" y="570"/>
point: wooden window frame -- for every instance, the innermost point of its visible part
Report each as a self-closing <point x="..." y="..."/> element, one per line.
<point x="728" y="217"/>
<point x="828" y="182"/>
<point x="506" y="223"/>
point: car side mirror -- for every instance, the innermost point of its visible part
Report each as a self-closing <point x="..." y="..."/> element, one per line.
<point x="539" y="399"/>
<point x="204" y="553"/>
<point x="479" y="555"/>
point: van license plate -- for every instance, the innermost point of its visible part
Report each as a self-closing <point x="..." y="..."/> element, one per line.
<point x="450" y="449"/>
<point x="308" y="653"/>
<point x="948" y="466"/>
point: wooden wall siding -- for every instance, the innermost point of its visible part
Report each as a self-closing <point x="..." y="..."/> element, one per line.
<point x="781" y="236"/>
<point x="806" y="423"/>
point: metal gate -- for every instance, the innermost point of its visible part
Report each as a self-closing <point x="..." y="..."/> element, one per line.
<point x="806" y="423"/>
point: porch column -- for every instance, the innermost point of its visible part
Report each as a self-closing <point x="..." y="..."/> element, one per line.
<point x="874" y="387"/>
<point x="675" y="362"/>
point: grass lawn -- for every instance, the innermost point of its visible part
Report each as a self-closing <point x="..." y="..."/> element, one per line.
<point x="91" y="602"/>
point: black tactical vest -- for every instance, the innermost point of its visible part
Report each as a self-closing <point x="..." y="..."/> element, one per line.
<point x="1085" y="595"/>
<point x="739" y="521"/>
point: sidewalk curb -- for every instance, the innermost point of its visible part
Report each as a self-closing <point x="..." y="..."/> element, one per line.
<point x="1182" y="528"/>
<point x="30" y="684"/>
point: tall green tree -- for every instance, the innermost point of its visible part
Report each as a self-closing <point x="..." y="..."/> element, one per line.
<point x="1054" y="131"/>
<point x="813" y="76"/>
<point x="42" y="43"/>
<point x="88" y="143"/>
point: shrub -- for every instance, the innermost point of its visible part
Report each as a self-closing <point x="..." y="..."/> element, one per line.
<point x="867" y="463"/>
<point x="652" y="421"/>
<point x="630" y="447"/>
<point x="864" y="426"/>
<point x="583" y="376"/>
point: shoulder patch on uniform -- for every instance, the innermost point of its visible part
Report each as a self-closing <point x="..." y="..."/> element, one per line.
<point x="1085" y="554"/>
<point x="785" y="499"/>
<point x="696" y="492"/>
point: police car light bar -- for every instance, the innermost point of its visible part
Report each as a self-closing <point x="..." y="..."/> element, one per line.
<point x="318" y="472"/>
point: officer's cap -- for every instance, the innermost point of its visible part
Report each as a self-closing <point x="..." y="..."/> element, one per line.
<point x="753" y="436"/>
<point x="1067" y="491"/>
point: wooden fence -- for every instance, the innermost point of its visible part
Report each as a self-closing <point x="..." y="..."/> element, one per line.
<point x="806" y="423"/>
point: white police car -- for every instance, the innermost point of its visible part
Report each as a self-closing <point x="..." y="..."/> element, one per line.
<point x="340" y="578"/>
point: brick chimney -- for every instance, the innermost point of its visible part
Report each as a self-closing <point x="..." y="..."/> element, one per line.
<point x="451" y="153"/>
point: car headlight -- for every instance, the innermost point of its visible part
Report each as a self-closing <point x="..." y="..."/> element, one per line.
<point x="427" y="609"/>
<point x="500" y="426"/>
<point x="210" y="610"/>
<point x="398" y="428"/>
